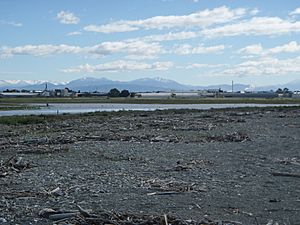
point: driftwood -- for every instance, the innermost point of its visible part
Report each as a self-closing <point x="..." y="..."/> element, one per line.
<point x="13" y="164"/>
<point x="165" y="187"/>
<point x="61" y="216"/>
<point x="20" y="194"/>
<point x="165" y="193"/>
<point x="83" y="217"/>
<point x="281" y="174"/>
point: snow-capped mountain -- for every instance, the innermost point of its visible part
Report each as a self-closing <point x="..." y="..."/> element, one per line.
<point x="139" y="85"/>
<point x="22" y="83"/>
<point x="160" y="83"/>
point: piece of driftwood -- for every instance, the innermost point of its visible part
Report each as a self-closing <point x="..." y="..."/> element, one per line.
<point x="3" y="174"/>
<point x="281" y="174"/>
<point x="18" y="194"/>
<point x="9" y="159"/>
<point x="166" y="219"/>
<point x="14" y="163"/>
<point x="83" y="212"/>
<point x="55" y="191"/>
<point x="164" y="193"/>
<point x="170" y="186"/>
<point x="61" y="216"/>
<point x="83" y="217"/>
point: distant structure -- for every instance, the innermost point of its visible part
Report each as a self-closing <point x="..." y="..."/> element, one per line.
<point x="296" y="94"/>
<point x="66" y="92"/>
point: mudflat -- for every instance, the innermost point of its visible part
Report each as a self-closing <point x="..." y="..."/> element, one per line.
<point x="239" y="165"/>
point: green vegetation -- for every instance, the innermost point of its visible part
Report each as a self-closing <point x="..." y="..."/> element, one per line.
<point x="150" y="100"/>
<point x="113" y="93"/>
<point x="6" y="107"/>
<point x="124" y="93"/>
<point x="18" y="120"/>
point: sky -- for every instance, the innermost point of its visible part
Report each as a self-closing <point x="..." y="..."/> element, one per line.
<point x="197" y="42"/>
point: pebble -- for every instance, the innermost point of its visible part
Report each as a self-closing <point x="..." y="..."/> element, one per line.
<point x="2" y="220"/>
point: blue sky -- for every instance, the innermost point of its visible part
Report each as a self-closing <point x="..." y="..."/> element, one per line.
<point x="191" y="41"/>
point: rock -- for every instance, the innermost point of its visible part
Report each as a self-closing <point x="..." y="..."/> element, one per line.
<point x="2" y="220"/>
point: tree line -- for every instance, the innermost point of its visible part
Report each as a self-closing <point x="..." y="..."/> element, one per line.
<point x="113" y="93"/>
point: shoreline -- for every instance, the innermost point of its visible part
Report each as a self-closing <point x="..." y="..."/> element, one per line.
<point x="76" y="108"/>
<point x="149" y="100"/>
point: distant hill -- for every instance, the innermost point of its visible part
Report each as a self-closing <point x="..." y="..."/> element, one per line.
<point x="139" y="85"/>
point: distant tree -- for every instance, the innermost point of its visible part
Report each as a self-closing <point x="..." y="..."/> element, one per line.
<point x="286" y="90"/>
<point x="124" y="93"/>
<point x="113" y="93"/>
<point x="279" y="91"/>
<point x="287" y="93"/>
<point x="132" y="94"/>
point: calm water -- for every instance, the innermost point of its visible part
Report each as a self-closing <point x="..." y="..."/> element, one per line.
<point x="83" y="108"/>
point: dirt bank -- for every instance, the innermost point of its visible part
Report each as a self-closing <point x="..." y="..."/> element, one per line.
<point x="235" y="164"/>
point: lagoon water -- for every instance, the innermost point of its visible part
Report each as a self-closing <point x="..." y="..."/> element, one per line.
<point x="107" y="107"/>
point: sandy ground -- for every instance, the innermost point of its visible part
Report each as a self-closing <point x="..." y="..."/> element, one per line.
<point x="217" y="164"/>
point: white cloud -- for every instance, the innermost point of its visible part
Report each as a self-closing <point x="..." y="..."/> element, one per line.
<point x="39" y="50"/>
<point x="199" y="19"/>
<point x="200" y="66"/>
<point x="110" y="28"/>
<point x="255" y="26"/>
<point x="255" y="49"/>
<point x="291" y="47"/>
<point x="261" y="67"/>
<point x="137" y="48"/>
<point x="171" y="36"/>
<point x="67" y="17"/>
<point x="11" y="23"/>
<point x="118" y="66"/>
<point x="254" y="12"/>
<point x="295" y="12"/>
<point x="74" y="33"/>
<point x="186" y="49"/>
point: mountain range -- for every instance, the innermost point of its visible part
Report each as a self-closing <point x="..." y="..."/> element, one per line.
<point x="139" y="85"/>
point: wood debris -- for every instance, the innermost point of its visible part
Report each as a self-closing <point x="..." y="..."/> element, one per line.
<point x="84" y="217"/>
<point x="13" y="164"/>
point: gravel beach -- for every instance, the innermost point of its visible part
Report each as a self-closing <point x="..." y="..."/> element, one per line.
<point x="238" y="165"/>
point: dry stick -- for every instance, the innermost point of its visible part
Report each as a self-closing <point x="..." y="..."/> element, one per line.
<point x="7" y="161"/>
<point x="256" y="221"/>
<point x="232" y="222"/>
<point x="22" y="193"/>
<point x="285" y="174"/>
<point x="61" y="216"/>
<point x="198" y="206"/>
<point x="164" y="193"/>
<point x="60" y="221"/>
<point x="166" y="219"/>
<point x="102" y="221"/>
<point x="83" y="212"/>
